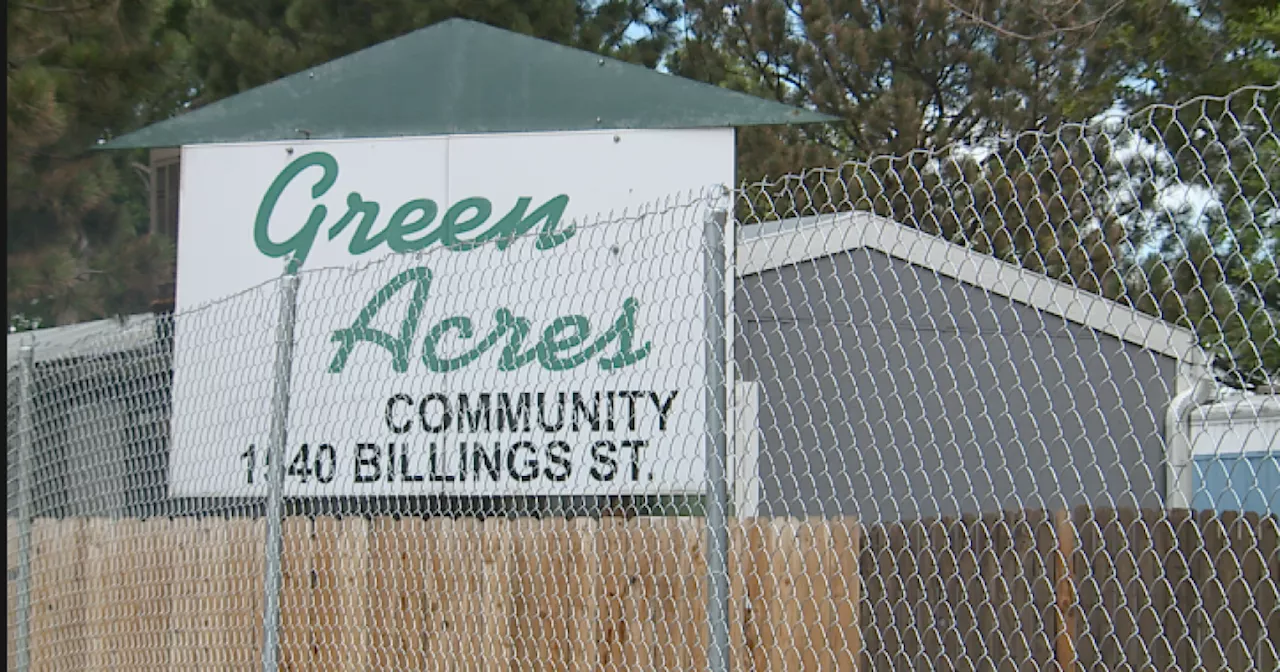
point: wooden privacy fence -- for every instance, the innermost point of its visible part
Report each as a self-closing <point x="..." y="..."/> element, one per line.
<point x="1093" y="589"/>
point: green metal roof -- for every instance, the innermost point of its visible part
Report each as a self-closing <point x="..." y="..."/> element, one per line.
<point x="459" y="76"/>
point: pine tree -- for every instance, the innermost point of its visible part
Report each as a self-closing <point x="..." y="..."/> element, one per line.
<point x="240" y="44"/>
<point x="78" y="241"/>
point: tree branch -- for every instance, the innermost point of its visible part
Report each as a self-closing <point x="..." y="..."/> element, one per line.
<point x="18" y="62"/>
<point x="55" y="10"/>
<point x="1056" y="28"/>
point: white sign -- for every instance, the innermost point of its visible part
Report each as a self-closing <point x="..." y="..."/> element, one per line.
<point x="514" y="314"/>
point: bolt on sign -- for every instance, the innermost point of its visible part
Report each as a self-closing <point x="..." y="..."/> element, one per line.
<point x="477" y="315"/>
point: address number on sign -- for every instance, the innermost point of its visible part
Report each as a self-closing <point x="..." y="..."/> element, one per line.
<point x="307" y="464"/>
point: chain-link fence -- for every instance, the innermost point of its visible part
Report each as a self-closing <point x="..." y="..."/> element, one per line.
<point x="1006" y="406"/>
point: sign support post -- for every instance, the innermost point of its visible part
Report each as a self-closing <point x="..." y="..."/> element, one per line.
<point x="276" y="469"/>
<point x="26" y="441"/>
<point x="713" y="251"/>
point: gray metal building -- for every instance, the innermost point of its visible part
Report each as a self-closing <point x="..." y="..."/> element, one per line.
<point x="888" y="374"/>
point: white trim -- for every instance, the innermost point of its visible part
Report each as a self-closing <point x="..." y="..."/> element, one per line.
<point x="773" y="245"/>
<point x="744" y="455"/>
<point x="99" y="337"/>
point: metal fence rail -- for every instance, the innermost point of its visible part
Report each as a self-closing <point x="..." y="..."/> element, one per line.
<point x="975" y="408"/>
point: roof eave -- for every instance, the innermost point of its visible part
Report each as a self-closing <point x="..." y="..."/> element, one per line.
<point x="845" y="232"/>
<point x="155" y="136"/>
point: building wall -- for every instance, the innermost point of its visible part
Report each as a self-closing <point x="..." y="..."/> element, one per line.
<point x="1236" y="452"/>
<point x="99" y="440"/>
<point x="889" y="392"/>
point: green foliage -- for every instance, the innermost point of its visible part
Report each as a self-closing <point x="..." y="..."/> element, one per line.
<point x="240" y="44"/>
<point x="1215" y="265"/>
<point x="909" y="74"/>
<point x="78" y="245"/>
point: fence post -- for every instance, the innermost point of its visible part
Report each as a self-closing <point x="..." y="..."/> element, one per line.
<point x="713" y="250"/>
<point x="26" y="452"/>
<point x="1064" y="591"/>
<point x="275" y="482"/>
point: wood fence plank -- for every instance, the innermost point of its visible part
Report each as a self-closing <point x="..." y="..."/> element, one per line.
<point x="769" y="612"/>
<point x="928" y="545"/>
<point x="99" y="570"/>
<point x="327" y="619"/>
<point x="184" y="615"/>
<point x="785" y="609"/>
<point x="469" y="593"/>
<point x="248" y="563"/>
<point x="128" y="594"/>
<point x="1043" y="595"/>
<point x="845" y="633"/>
<point x="382" y="593"/>
<point x="915" y="611"/>
<point x="413" y="613"/>
<point x="1018" y="570"/>
<point x="557" y="592"/>
<point x="986" y="589"/>
<point x="154" y="579"/>
<point x="1239" y="615"/>
<point x="1008" y="649"/>
<point x="657" y="610"/>
<point x="814" y="593"/>
<point x="1188" y="534"/>
<point x="1113" y="615"/>
<point x="1210" y="579"/>
<point x="530" y="594"/>
<point x="1065" y="591"/>
<point x="73" y="634"/>
<point x="694" y="590"/>
<point x="615" y="548"/>
<point x="42" y="595"/>
<point x="1169" y="624"/>
<point x="1129" y="543"/>
<point x="1268" y="591"/>
<point x="534" y="594"/>
<point x="657" y="603"/>
<point x="585" y="633"/>
<point x="1151" y="575"/>
<point x="439" y="602"/>
<point x="900" y="639"/>
<point x="758" y="628"/>
<point x="828" y="591"/>
<point x="951" y="539"/>
<point x="217" y="575"/>
<point x="1035" y="590"/>
<point x="966" y="543"/>
<point x="495" y="623"/>
<point x="739" y="612"/>
<point x="878" y="571"/>
<point x="351" y="566"/>
<point x="299" y="592"/>
<point x="1092" y="572"/>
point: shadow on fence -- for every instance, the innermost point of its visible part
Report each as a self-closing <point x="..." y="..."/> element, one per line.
<point x="1087" y="589"/>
